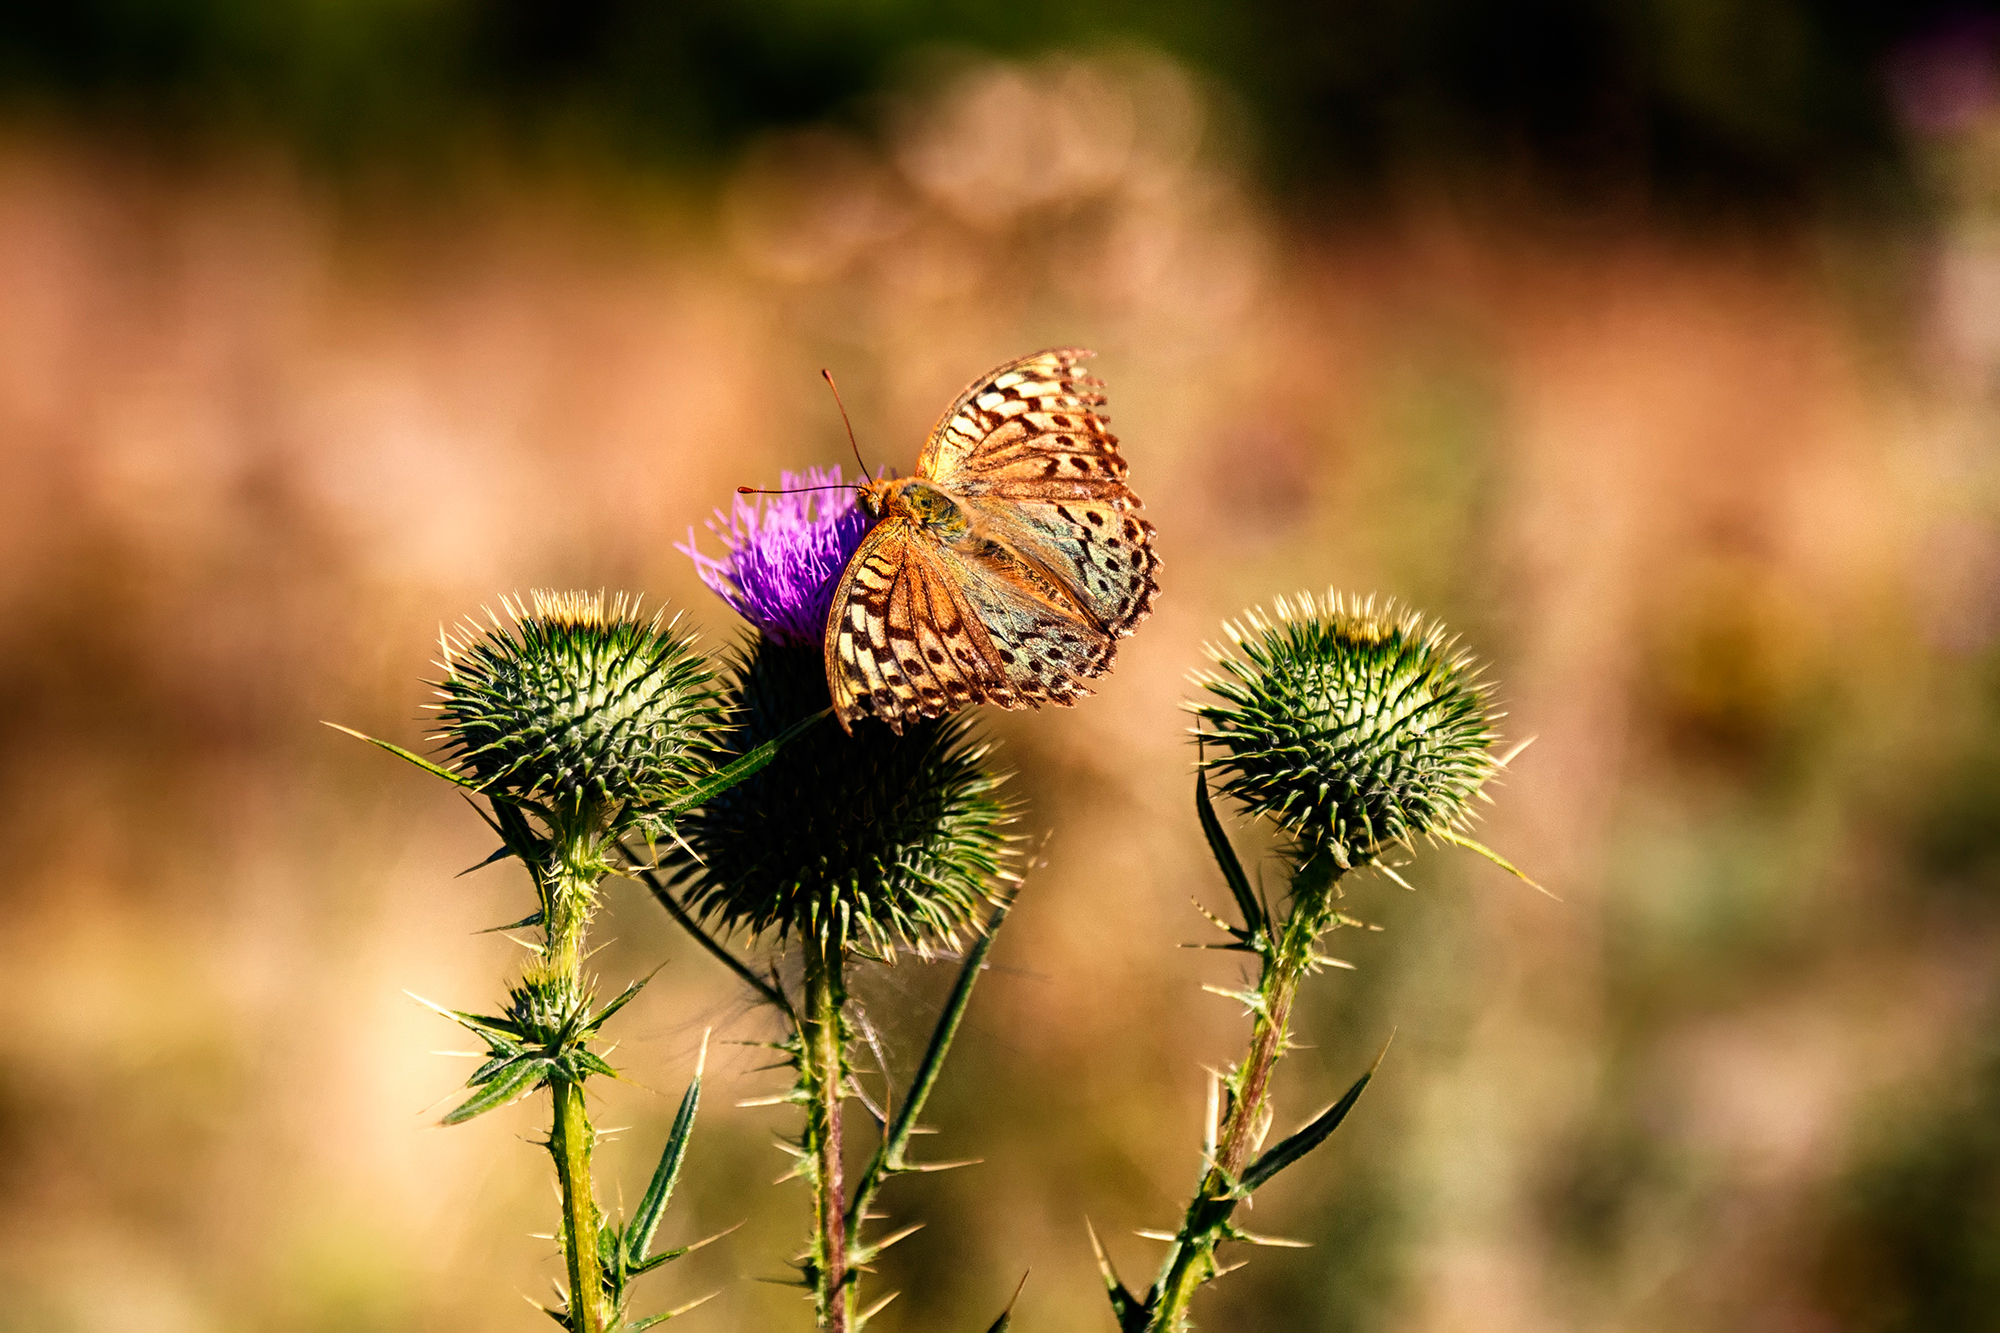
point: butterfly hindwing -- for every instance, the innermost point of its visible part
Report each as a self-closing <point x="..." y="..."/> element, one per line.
<point x="1100" y="553"/>
<point x="1043" y="651"/>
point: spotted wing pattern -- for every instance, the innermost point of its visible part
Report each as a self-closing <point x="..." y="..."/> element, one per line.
<point x="919" y="630"/>
<point x="900" y="639"/>
<point x="1028" y="430"/>
<point x="1056" y="567"/>
<point x="1029" y="450"/>
<point x="1099" y="552"/>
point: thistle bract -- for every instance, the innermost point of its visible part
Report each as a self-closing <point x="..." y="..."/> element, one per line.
<point x="872" y="841"/>
<point x="784" y="554"/>
<point x="1352" y="727"/>
<point x="578" y="710"/>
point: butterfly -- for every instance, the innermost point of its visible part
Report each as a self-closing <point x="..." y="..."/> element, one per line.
<point x="1005" y="570"/>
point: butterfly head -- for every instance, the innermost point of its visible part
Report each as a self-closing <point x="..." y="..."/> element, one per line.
<point x="876" y="496"/>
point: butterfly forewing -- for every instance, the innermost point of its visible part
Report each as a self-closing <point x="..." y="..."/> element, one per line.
<point x="1029" y="431"/>
<point x="901" y="641"/>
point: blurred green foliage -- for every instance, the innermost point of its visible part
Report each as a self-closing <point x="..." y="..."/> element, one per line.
<point x="1913" y="1237"/>
<point x="1762" y="101"/>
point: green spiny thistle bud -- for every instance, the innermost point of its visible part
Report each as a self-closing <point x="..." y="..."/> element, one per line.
<point x="1351" y="727"/>
<point x="582" y="712"/>
<point x="871" y="841"/>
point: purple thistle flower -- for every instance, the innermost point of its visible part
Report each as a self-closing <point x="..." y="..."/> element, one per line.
<point x="785" y="554"/>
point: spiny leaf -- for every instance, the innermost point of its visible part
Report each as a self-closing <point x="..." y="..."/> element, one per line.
<point x="668" y="1256"/>
<point x="1225" y="857"/>
<point x="624" y="998"/>
<point x="653" y="1204"/>
<point x="533" y="918"/>
<point x="500" y="853"/>
<point x="860" y="1255"/>
<point x="1306" y="1139"/>
<point x="585" y="1063"/>
<point x="470" y="784"/>
<point x="522" y="1078"/>
<point x="861" y="1319"/>
<point x="744" y="766"/>
<point x="503" y="1027"/>
<point x="501" y="1059"/>
<point x="888" y="1159"/>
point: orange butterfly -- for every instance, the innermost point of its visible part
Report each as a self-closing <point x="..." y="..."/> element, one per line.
<point x="1004" y="571"/>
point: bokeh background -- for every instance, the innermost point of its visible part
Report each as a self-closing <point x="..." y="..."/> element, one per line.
<point x="1653" y="346"/>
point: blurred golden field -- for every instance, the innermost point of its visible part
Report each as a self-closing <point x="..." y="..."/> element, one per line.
<point x="1716" y="501"/>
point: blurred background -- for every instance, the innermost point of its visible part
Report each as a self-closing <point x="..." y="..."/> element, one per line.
<point x="1653" y="346"/>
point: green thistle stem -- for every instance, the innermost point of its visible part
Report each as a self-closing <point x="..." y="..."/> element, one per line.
<point x="823" y="1075"/>
<point x="1288" y="958"/>
<point x="569" y="1143"/>
<point x="568" y="887"/>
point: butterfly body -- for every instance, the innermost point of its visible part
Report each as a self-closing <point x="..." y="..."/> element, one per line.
<point x="1004" y="571"/>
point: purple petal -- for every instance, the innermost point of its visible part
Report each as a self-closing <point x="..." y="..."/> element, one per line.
<point x="784" y="554"/>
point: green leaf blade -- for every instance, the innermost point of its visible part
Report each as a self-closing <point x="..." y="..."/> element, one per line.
<point x="744" y="766"/>
<point x="653" y="1204"/>
<point x="1226" y="858"/>
<point x="518" y="1081"/>
<point x="1305" y="1140"/>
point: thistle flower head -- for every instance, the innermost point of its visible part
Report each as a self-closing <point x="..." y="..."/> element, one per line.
<point x="873" y="841"/>
<point x="784" y="554"/>
<point x="1351" y="726"/>
<point x="577" y="709"/>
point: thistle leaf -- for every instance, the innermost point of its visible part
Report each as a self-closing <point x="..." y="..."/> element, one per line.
<point x="624" y="998"/>
<point x="533" y="918"/>
<point x="1306" y="1139"/>
<point x="861" y="1319"/>
<point x="587" y="1062"/>
<point x="744" y="766"/>
<point x="485" y="1027"/>
<point x="1474" y="845"/>
<point x="460" y="779"/>
<point x="1225" y="858"/>
<point x="497" y="854"/>
<point x="862" y="1255"/>
<point x="522" y="1078"/>
<point x="1233" y="1232"/>
<point x="486" y="1072"/>
<point x="668" y="1256"/>
<point x="888" y="1159"/>
<point x="653" y="1204"/>
<point x="674" y="1313"/>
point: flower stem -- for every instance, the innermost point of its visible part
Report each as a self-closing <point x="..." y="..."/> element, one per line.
<point x="1191" y="1260"/>
<point x="568" y="886"/>
<point x="569" y="1143"/>
<point x="823" y="1075"/>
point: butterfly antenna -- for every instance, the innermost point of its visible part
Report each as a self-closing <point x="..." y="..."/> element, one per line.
<point x="827" y="375"/>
